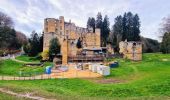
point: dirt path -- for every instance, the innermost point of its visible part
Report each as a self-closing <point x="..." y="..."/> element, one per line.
<point x="27" y="95"/>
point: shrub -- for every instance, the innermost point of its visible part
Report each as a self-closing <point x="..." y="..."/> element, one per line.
<point x="45" y="55"/>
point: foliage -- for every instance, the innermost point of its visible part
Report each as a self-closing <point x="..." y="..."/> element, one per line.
<point x="34" y="45"/>
<point x="102" y="24"/>
<point x="45" y="55"/>
<point x="8" y="37"/>
<point x="106" y="30"/>
<point x="99" y="24"/>
<point x="5" y="20"/>
<point x="54" y="48"/>
<point x="27" y="48"/>
<point x="150" y="45"/>
<point x="21" y="37"/>
<point x="91" y="23"/>
<point x="165" y="25"/>
<point x="126" y="28"/>
<point x="79" y="43"/>
<point x="165" y="45"/>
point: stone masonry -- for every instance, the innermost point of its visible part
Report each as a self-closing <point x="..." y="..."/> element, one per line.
<point x="68" y="34"/>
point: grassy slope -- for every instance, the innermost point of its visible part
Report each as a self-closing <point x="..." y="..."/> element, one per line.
<point x="12" y="68"/>
<point x="27" y="59"/>
<point x="149" y="78"/>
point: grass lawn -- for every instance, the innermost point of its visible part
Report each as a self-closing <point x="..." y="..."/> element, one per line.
<point x="147" y="79"/>
<point x="27" y="59"/>
<point x="13" y="68"/>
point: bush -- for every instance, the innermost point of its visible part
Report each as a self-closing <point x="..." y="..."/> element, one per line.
<point x="1" y="52"/>
<point x="45" y="55"/>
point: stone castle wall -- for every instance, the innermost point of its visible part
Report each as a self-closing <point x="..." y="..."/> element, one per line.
<point x="68" y="30"/>
<point x="131" y="50"/>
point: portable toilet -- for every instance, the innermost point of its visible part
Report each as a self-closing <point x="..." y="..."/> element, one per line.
<point x="48" y="70"/>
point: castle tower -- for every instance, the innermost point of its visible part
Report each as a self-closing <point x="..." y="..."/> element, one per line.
<point x="61" y="25"/>
<point x="98" y="36"/>
<point x="64" y="51"/>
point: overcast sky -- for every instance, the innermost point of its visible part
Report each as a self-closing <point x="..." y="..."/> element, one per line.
<point x="28" y="15"/>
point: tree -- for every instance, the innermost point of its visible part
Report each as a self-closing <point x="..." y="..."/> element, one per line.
<point x="165" y="26"/>
<point x="22" y="39"/>
<point x="79" y="44"/>
<point x="27" y="48"/>
<point x="34" y="44"/>
<point x="150" y="45"/>
<point x="117" y="31"/>
<point x="165" y="45"/>
<point x="106" y="30"/>
<point x="132" y="27"/>
<point x="99" y="20"/>
<point x="99" y="24"/>
<point x="136" y="28"/>
<point x="41" y="43"/>
<point x="54" y="48"/>
<point x="127" y="27"/>
<point x="165" y="32"/>
<point x="5" y="20"/>
<point x="8" y="37"/>
<point x="91" y="23"/>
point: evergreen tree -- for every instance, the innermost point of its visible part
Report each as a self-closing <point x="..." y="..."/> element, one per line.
<point x="128" y="27"/>
<point x="54" y="48"/>
<point x="136" y="28"/>
<point x="117" y="30"/>
<point x="165" y="45"/>
<point x="91" y="23"/>
<point x="124" y="26"/>
<point x="41" y="43"/>
<point x="106" y="30"/>
<point x="34" y="44"/>
<point x="99" y="24"/>
<point x="99" y="21"/>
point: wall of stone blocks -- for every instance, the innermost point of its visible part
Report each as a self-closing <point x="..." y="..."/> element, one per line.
<point x="131" y="51"/>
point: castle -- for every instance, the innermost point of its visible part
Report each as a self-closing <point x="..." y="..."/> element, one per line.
<point x="68" y="34"/>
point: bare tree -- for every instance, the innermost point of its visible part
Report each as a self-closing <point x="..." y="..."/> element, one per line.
<point x="5" y="20"/>
<point x="165" y="25"/>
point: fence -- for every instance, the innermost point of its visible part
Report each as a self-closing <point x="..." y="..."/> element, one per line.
<point x="40" y="77"/>
<point x="55" y="75"/>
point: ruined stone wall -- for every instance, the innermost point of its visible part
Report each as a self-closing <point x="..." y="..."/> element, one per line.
<point x="131" y="50"/>
<point x="46" y="40"/>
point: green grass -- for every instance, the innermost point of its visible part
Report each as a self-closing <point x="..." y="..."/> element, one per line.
<point x="13" y="68"/>
<point x="27" y="59"/>
<point x="147" y="79"/>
